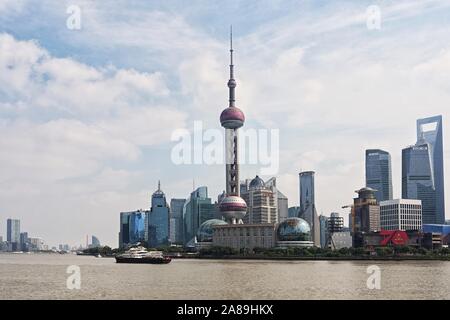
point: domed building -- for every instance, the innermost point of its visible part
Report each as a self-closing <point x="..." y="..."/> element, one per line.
<point x="261" y="199"/>
<point x="294" y="232"/>
<point x="205" y="232"/>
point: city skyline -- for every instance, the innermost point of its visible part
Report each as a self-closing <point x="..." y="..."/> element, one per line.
<point x="73" y="160"/>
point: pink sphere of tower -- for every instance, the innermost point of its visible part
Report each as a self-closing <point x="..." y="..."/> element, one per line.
<point x="233" y="208"/>
<point x="232" y="118"/>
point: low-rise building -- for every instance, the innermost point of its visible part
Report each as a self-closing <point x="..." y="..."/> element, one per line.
<point x="248" y="236"/>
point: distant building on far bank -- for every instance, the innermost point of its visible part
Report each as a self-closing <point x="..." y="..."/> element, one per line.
<point x="95" y="243"/>
<point x="13" y="234"/>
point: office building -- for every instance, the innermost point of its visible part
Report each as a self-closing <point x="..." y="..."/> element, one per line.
<point x="417" y="179"/>
<point x="308" y="210"/>
<point x="323" y="221"/>
<point x="339" y="240"/>
<point x="261" y="200"/>
<point x="196" y="210"/>
<point x="24" y="241"/>
<point x="36" y="244"/>
<point x="132" y="227"/>
<point x="95" y="243"/>
<point x="281" y="200"/>
<point x="365" y="215"/>
<point x="379" y="173"/>
<point x="157" y="220"/>
<point x="13" y="233"/>
<point x="366" y="211"/>
<point x="176" y="220"/>
<point x="431" y="131"/>
<point x="401" y="214"/>
<point x="423" y="171"/>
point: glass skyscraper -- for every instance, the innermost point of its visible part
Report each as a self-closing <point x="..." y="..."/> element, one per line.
<point x="136" y="227"/>
<point x="430" y="130"/>
<point x="176" y="219"/>
<point x="379" y="173"/>
<point x="158" y="220"/>
<point x="417" y="179"/>
<point x="423" y="170"/>
<point x="308" y="205"/>
<point x="13" y="233"/>
<point x="132" y="227"/>
<point x="197" y="209"/>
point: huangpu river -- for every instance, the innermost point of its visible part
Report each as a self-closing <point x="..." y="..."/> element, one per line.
<point x="45" y="276"/>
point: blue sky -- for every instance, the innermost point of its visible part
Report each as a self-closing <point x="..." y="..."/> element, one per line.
<point x="86" y="115"/>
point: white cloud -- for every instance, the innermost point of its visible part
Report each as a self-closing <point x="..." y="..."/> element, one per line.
<point x="63" y="122"/>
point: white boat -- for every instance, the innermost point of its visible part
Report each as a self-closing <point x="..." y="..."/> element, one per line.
<point x="141" y="255"/>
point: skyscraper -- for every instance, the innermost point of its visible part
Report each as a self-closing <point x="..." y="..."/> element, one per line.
<point x="157" y="223"/>
<point x="176" y="220"/>
<point x="124" y="234"/>
<point x="308" y="210"/>
<point x="24" y="241"/>
<point x="281" y="200"/>
<point x="232" y="206"/>
<point x="196" y="210"/>
<point x="95" y="243"/>
<point x="323" y="221"/>
<point x="379" y="173"/>
<point x="365" y="215"/>
<point x="13" y="233"/>
<point x="418" y="179"/>
<point x="430" y="130"/>
<point x="261" y="200"/>
<point x="132" y="227"/>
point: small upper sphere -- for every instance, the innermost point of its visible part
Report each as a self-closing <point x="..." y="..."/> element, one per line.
<point x="232" y="118"/>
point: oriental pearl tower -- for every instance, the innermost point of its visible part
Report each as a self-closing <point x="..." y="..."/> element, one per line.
<point x="232" y="206"/>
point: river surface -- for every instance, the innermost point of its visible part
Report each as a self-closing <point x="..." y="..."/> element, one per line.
<point x="44" y="276"/>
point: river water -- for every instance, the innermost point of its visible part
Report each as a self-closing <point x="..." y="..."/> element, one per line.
<point x="44" y="276"/>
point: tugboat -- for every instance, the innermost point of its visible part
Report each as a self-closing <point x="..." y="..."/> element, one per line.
<point x="141" y="255"/>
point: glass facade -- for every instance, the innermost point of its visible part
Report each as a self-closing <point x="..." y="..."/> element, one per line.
<point x="136" y="227"/>
<point x="308" y="204"/>
<point x="205" y="232"/>
<point x="197" y="209"/>
<point x="323" y="220"/>
<point x="176" y="220"/>
<point x="294" y="229"/>
<point x="379" y="173"/>
<point x="158" y="220"/>
<point x="430" y="131"/>
<point x="95" y="242"/>
<point x="132" y="228"/>
<point x="13" y="233"/>
<point x="418" y="179"/>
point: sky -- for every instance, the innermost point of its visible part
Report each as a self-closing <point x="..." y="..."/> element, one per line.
<point x="87" y="115"/>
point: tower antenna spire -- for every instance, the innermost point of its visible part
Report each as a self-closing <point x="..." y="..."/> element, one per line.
<point x="231" y="82"/>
